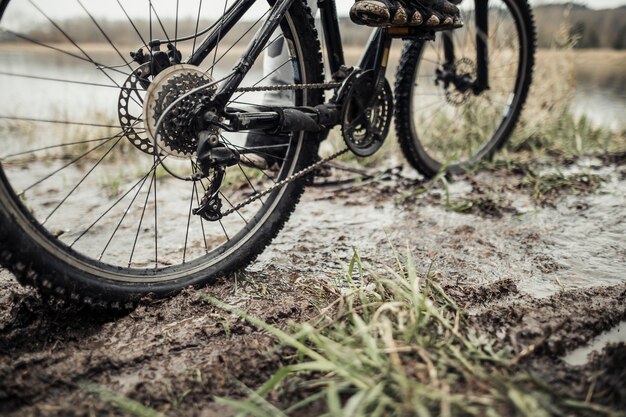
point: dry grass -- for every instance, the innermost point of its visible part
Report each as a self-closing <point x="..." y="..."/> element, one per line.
<point x="547" y="125"/>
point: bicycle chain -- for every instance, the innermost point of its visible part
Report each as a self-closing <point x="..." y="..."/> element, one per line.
<point x="286" y="181"/>
<point x="288" y="87"/>
<point x="302" y="172"/>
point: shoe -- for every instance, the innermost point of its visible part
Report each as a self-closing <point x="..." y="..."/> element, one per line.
<point x="267" y="152"/>
<point x="429" y="14"/>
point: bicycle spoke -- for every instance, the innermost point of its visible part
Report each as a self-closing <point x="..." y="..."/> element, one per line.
<point x="81" y="181"/>
<point x="143" y="212"/>
<point x="98" y="66"/>
<point x="420" y="109"/>
<point x="145" y="44"/>
<point x="46" y="148"/>
<point x="160" y="22"/>
<point x="193" y="49"/>
<point x="105" y="36"/>
<point x="249" y="182"/>
<point x="64" y="166"/>
<point x="176" y="26"/>
<point x="257" y="150"/>
<point x="224" y="230"/>
<point x="60" y="80"/>
<point x="233" y="207"/>
<point x="156" y="222"/>
<point x="54" y="48"/>
<point x="248" y="159"/>
<point x="119" y="224"/>
<point x="238" y="40"/>
<point x="142" y="180"/>
<point x="432" y="116"/>
<point x="206" y="247"/>
<point x="188" y="219"/>
<point x="62" y="122"/>
<point x="219" y="37"/>
<point x="75" y="147"/>
<point x="88" y="58"/>
<point x="265" y="77"/>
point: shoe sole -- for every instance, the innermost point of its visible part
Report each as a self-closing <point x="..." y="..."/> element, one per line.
<point x="368" y="20"/>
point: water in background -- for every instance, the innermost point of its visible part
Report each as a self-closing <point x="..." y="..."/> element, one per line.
<point x="603" y="106"/>
<point x="602" y="101"/>
<point x="601" y="87"/>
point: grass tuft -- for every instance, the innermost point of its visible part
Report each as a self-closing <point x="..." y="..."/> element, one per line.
<point x="545" y="189"/>
<point x="398" y="345"/>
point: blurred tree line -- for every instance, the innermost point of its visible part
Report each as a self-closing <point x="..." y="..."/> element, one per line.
<point x="589" y="28"/>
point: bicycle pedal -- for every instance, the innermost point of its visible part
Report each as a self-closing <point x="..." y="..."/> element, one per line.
<point x="412" y="32"/>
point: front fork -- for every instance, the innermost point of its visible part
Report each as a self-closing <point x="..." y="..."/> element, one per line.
<point x="482" y="46"/>
<point x="481" y="83"/>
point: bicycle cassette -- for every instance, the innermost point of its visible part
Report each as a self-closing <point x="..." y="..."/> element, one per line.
<point x="176" y="136"/>
<point x="366" y="115"/>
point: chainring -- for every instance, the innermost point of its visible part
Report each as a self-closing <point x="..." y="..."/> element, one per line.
<point x="367" y="114"/>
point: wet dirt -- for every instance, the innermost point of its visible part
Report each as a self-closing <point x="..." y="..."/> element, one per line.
<point x="542" y="268"/>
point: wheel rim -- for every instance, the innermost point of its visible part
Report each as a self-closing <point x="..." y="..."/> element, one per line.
<point x="457" y="129"/>
<point x="143" y="230"/>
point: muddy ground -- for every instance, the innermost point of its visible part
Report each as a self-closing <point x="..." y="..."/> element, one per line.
<point x="535" y="253"/>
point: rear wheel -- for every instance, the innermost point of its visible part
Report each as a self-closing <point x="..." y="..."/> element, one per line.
<point x="441" y="123"/>
<point x="87" y="210"/>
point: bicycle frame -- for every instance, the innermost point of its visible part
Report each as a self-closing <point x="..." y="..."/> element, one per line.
<point x="375" y="56"/>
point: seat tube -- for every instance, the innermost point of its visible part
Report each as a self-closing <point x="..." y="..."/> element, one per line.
<point x="257" y="45"/>
<point x="332" y="34"/>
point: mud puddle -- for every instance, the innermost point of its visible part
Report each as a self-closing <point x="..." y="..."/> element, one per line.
<point x="506" y="233"/>
<point x="547" y="273"/>
<point x="580" y="356"/>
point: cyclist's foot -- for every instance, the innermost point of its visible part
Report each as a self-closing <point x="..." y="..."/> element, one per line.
<point x="429" y="14"/>
<point x="270" y="150"/>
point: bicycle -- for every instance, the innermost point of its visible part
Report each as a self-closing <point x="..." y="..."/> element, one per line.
<point x="81" y="217"/>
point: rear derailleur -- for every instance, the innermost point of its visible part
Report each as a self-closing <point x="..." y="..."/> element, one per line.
<point x="213" y="157"/>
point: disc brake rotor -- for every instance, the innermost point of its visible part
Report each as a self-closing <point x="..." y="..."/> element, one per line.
<point x="130" y="109"/>
<point x="466" y="68"/>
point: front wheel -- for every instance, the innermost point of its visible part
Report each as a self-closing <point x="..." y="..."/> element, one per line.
<point x="87" y="210"/>
<point x="448" y="117"/>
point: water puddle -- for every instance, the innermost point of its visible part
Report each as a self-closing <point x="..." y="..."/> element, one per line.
<point x="582" y="239"/>
<point x="581" y="355"/>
